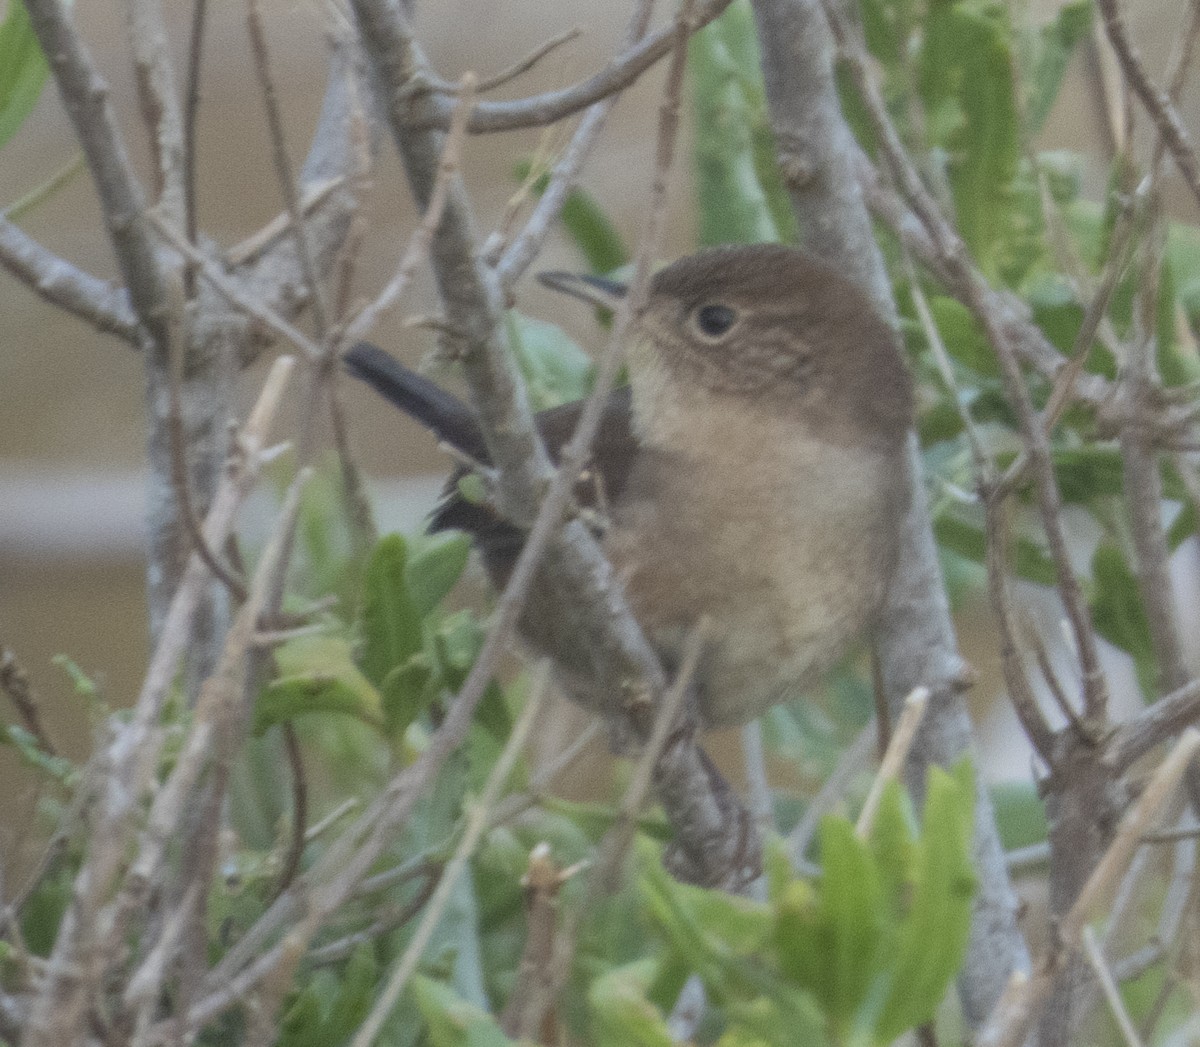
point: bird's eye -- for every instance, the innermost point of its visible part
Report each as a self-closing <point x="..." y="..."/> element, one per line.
<point x="714" y="320"/>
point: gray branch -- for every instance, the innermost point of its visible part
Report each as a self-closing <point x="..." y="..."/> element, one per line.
<point x="578" y="586"/>
<point x="62" y="284"/>
<point x="916" y="644"/>
<point x="427" y="108"/>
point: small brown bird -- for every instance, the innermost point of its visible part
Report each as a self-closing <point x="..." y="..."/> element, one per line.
<point x="753" y="472"/>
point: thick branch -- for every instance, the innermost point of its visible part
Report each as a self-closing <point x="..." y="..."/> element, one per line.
<point x="916" y="645"/>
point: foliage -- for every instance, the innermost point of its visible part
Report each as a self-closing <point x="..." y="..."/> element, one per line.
<point x="23" y="70"/>
<point x="866" y="950"/>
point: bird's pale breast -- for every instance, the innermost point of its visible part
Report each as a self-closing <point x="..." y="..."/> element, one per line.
<point x="784" y="541"/>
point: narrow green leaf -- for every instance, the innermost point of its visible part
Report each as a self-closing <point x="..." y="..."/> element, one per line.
<point x="23" y="69"/>
<point x="408" y="691"/>
<point x="391" y="624"/>
<point x="587" y="224"/>
<point x="853" y="913"/>
<point x="434" y="566"/>
<point x="728" y="102"/>
<point x="968" y="539"/>
<point x="966" y="81"/>
<point x="932" y="938"/>
<point x="453" y="1022"/>
<point x="1053" y="47"/>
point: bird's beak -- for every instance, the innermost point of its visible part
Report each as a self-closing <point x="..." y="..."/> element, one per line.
<point x="594" y="289"/>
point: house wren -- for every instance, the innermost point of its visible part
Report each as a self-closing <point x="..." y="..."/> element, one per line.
<point x="753" y="472"/>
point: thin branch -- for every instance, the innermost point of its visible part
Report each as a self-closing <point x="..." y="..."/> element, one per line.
<point x="252" y="307"/>
<point x="615" y="845"/>
<point x="434" y="110"/>
<point x="518" y="68"/>
<point x="159" y="100"/>
<point x="123" y="769"/>
<point x="191" y="112"/>
<point x="85" y="96"/>
<point x="1020" y="693"/>
<point x="521" y="252"/>
<point x="477" y="820"/>
<point x="893" y="761"/>
<point x="283" y="169"/>
<point x="15" y="684"/>
<point x="1163" y="720"/>
<point x="1016" y="1011"/>
<point x="62" y="284"/>
<point x="360" y="325"/>
<point x="1108" y="985"/>
<point x="915" y="642"/>
<point x="978" y="297"/>
<point x="853" y="761"/>
<point x="1158" y="103"/>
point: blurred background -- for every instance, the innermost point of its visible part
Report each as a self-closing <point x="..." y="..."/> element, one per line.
<point x="71" y="431"/>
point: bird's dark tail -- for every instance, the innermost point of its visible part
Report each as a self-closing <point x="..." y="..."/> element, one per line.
<point x="443" y="414"/>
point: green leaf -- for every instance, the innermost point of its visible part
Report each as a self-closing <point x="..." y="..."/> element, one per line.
<point x="853" y="913"/>
<point x="1118" y="613"/>
<point x="23" y="69"/>
<point x="622" y="1016"/>
<point x="435" y="565"/>
<point x="58" y="768"/>
<point x="554" y="367"/>
<point x="968" y="539"/>
<point x="391" y="623"/>
<point x="317" y="674"/>
<point x="728" y="102"/>
<point x="932" y="938"/>
<point x="587" y="224"/>
<point x="893" y="841"/>
<point x="964" y="339"/>
<point x="966" y="81"/>
<point x="408" y="690"/>
<point x="453" y="1022"/>
<point x="1053" y="46"/>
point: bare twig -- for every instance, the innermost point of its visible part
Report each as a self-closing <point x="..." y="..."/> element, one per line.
<point x="1108" y="984"/>
<point x="434" y="110"/>
<point x="1163" y="720"/>
<point x="62" y="284"/>
<point x="1158" y="104"/>
<point x="853" y="760"/>
<point x="252" y="307"/>
<point x="283" y="169"/>
<point x="159" y="100"/>
<point x="418" y="245"/>
<point x="524" y="248"/>
<point x="519" y="67"/>
<point x="615" y="845"/>
<point x="191" y="111"/>
<point x="894" y="759"/>
<point x="1016" y="1011"/>
<point x="15" y="684"/>
<point x="126" y="765"/>
<point x="86" y="99"/>
<point x="477" y="820"/>
<point x="916" y="642"/>
<point x="1020" y="693"/>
